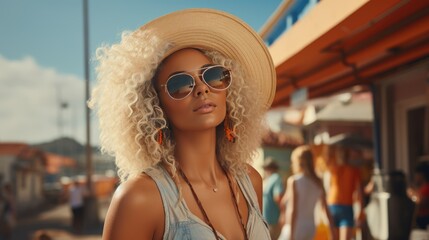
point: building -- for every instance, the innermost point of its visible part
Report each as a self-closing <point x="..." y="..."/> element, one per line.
<point x="27" y="170"/>
<point x="22" y="167"/>
<point x="327" y="47"/>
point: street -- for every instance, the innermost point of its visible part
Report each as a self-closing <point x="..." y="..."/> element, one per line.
<point x="55" y="221"/>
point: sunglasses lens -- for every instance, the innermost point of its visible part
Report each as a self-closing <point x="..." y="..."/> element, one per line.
<point x="179" y="86"/>
<point x="217" y="77"/>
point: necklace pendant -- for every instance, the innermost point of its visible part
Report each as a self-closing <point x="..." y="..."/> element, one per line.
<point x="215" y="189"/>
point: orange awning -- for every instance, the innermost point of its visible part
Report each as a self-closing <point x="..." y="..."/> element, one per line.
<point x="52" y="162"/>
<point x="55" y="162"/>
<point x="376" y="38"/>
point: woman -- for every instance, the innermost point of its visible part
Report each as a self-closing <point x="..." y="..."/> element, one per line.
<point x="304" y="190"/>
<point x="180" y="103"/>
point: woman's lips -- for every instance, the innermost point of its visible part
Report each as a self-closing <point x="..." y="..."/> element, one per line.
<point x="205" y="108"/>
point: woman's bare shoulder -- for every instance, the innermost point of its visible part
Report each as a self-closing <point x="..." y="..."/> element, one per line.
<point x="141" y="188"/>
<point x="291" y="182"/>
<point x="136" y="211"/>
<point x="254" y="175"/>
<point x="256" y="179"/>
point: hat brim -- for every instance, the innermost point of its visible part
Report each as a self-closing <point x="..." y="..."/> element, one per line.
<point x="216" y="30"/>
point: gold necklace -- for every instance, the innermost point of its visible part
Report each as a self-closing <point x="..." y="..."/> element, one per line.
<point x="215" y="188"/>
<point x="200" y="205"/>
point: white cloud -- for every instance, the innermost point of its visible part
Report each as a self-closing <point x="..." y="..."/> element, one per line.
<point x="30" y="103"/>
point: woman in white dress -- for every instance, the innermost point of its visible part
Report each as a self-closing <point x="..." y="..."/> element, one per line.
<point x="304" y="190"/>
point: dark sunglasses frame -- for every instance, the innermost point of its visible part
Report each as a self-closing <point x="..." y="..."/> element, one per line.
<point x="201" y="75"/>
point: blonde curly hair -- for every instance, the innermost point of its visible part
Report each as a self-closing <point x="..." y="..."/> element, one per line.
<point x="130" y="114"/>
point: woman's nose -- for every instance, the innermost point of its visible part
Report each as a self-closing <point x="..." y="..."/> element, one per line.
<point x="200" y="87"/>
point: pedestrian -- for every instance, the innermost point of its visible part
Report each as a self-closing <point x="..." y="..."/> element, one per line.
<point x="344" y="189"/>
<point x="181" y="102"/>
<point x="421" y="179"/>
<point x="77" y="194"/>
<point x="8" y="212"/>
<point x="304" y="190"/>
<point x="272" y="193"/>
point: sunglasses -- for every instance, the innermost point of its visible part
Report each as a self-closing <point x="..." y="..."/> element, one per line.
<point x="181" y="85"/>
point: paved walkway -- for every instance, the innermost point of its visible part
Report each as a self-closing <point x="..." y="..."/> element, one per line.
<point x="55" y="222"/>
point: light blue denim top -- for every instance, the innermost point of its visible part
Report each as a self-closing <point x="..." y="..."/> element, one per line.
<point x="181" y="223"/>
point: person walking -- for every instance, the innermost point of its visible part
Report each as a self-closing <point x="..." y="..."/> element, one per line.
<point x="77" y="194"/>
<point x="272" y="193"/>
<point x="344" y="190"/>
<point x="421" y="196"/>
<point x="304" y="190"/>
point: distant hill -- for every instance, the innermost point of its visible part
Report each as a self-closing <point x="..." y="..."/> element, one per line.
<point x="69" y="147"/>
<point x="65" y="146"/>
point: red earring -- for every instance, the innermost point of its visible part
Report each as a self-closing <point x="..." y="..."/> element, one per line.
<point x="159" y="138"/>
<point x="229" y="133"/>
<point x="161" y="134"/>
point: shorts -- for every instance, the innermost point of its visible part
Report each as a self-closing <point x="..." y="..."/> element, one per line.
<point x="342" y="215"/>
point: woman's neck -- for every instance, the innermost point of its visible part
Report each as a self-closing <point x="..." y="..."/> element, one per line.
<point x="196" y="154"/>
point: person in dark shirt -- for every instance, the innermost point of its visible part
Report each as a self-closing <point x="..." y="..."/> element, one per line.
<point x="422" y="197"/>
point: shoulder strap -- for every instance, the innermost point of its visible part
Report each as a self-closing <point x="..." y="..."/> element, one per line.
<point x="174" y="209"/>
<point x="248" y="190"/>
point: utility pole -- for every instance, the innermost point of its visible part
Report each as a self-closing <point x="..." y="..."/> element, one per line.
<point x="88" y="149"/>
<point x="91" y="204"/>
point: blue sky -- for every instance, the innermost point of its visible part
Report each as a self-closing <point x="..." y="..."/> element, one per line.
<point x="51" y="31"/>
<point x="41" y="56"/>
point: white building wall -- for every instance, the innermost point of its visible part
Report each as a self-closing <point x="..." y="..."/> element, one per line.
<point x="402" y="92"/>
<point x="28" y="190"/>
<point x="5" y="168"/>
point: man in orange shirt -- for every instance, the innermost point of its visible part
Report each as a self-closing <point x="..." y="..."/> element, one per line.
<point x="344" y="189"/>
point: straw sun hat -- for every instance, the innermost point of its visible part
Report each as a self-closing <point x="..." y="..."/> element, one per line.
<point x="216" y="30"/>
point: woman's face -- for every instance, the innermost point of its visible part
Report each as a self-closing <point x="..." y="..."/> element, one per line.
<point x="204" y="107"/>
